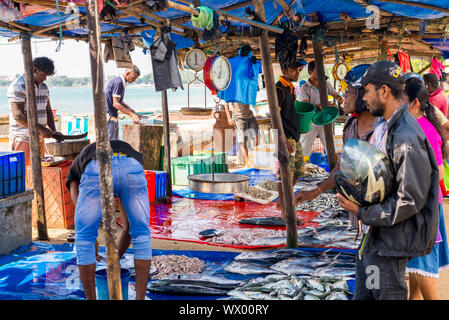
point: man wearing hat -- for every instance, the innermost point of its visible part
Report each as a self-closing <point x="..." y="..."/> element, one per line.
<point x="405" y="223"/>
<point x="286" y="100"/>
<point x="309" y="93"/>
<point x="360" y="124"/>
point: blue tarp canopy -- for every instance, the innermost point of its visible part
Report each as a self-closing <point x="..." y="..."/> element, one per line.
<point x="326" y="10"/>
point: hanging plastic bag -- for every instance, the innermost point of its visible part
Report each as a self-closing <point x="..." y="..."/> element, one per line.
<point x="8" y="12"/>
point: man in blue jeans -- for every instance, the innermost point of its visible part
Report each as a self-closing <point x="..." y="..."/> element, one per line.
<point x="114" y="93"/>
<point x="131" y="186"/>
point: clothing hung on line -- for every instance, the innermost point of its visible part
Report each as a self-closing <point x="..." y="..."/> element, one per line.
<point x="118" y="49"/>
<point x="165" y="67"/>
<point x="244" y="80"/>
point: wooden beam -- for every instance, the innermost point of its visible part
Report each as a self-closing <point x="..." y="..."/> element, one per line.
<point x="319" y="65"/>
<point x="425" y="68"/>
<point x="166" y="129"/>
<point x="418" y="4"/>
<point x="196" y="12"/>
<point x="279" y="17"/>
<point x="103" y="151"/>
<point x="289" y="211"/>
<point x="33" y="134"/>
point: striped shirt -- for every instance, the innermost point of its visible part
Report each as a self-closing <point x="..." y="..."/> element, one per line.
<point x="17" y="93"/>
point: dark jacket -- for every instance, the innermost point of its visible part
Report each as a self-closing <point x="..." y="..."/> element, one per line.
<point x="286" y="101"/>
<point x="405" y="224"/>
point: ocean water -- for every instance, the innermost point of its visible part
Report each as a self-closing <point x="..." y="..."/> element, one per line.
<point x="79" y="100"/>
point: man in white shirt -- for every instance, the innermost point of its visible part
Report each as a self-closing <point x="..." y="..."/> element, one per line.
<point x="309" y="93"/>
<point x="18" y="122"/>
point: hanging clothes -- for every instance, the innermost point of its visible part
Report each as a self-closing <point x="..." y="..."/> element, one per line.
<point x="437" y="67"/>
<point x="244" y="80"/>
<point x="165" y="69"/>
<point x="118" y="49"/>
<point x="404" y="61"/>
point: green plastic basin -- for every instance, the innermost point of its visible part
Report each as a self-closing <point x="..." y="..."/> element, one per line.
<point x="328" y="115"/>
<point x="305" y="112"/>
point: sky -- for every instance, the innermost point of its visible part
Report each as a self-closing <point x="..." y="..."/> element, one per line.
<point x="71" y="60"/>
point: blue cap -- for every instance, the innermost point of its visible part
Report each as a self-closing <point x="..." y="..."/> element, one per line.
<point x="300" y="62"/>
<point x="410" y="75"/>
<point x="354" y="76"/>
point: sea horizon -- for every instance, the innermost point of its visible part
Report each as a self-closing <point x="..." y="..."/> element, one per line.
<point x="143" y="98"/>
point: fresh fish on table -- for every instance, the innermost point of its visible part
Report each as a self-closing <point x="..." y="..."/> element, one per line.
<point x="243" y="267"/>
<point x="291" y="287"/>
<point x="182" y="288"/>
<point x="269" y="241"/>
<point x="292" y="266"/>
<point x="210" y="233"/>
<point x="264" y="221"/>
<point x="200" y="280"/>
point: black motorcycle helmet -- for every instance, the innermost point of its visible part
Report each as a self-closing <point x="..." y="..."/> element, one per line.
<point x="366" y="175"/>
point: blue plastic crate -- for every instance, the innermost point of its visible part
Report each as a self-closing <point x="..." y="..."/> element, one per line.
<point x="161" y="184"/>
<point x="12" y="173"/>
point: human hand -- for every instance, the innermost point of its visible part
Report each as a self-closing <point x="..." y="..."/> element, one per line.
<point x="306" y="195"/>
<point x="45" y="132"/>
<point x="135" y="118"/>
<point x="289" y="147"/>
<point x="57" y="135"/>
<point x="347" y="205"/>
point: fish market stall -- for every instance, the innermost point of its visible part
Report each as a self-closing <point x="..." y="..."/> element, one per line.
<point x="42" y="271"/>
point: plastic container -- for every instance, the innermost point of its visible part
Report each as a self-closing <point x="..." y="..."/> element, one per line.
<point x="183" y="167"/>
<point x="101" y="281"/>
<point x="315" y="158"/>
<point x="161" y="184"/>
<point x="151" y="184"/>
<point x="328" y="115"/>
<point x="305" y="112"/>
<point x="12" y="173"/>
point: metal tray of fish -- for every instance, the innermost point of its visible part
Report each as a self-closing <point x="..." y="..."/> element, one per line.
<point x="271" y="195"/>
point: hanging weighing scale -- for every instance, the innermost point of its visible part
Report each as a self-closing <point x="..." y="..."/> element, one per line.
<point x="340" y="70"/>
<point x="217" y="76"/>
<point x="195" y="60"/>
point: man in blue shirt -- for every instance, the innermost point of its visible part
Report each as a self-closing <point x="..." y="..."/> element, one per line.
<point x="114" y="93"/>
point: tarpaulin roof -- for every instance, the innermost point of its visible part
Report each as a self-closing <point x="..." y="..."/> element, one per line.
<point x="328" y="11"/>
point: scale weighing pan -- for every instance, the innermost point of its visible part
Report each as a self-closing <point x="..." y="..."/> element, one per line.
<point x="221" y="183"/>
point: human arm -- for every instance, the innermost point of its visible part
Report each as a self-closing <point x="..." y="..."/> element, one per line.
<point x="18" y="113"/>
<point x="229" y="115"/>
<point x="74" y="191"/>
<point x="307" y="195"/>
<point x="124" y="108"/>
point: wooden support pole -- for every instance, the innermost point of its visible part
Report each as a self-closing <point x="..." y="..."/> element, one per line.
<point x="167" y="163"/>
<point x="283" y="154"/>
<point x="33" y="134"/>
<point x="383" y="50"/>
<point x="322" y="87"/>
<point x="103" y="152"/>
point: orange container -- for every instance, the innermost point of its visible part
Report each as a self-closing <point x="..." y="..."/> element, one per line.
<point x="59" y="209"/>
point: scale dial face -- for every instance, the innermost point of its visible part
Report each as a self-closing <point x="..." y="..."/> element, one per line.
<point x="341" y="70"/>
<point x="221" y="73"/>
<point x="195" y="59"/>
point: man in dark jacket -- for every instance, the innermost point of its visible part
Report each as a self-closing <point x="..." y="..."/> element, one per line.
<point x="405" y="223"/>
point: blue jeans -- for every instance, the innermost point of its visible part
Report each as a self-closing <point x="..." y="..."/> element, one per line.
<point x="131" y="186"/>
<point x="113" y="130"/>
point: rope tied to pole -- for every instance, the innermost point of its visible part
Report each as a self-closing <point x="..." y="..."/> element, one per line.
<point x="60" y="26"/>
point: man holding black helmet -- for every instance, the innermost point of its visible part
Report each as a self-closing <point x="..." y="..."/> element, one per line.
<point x="405" y="223"/>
